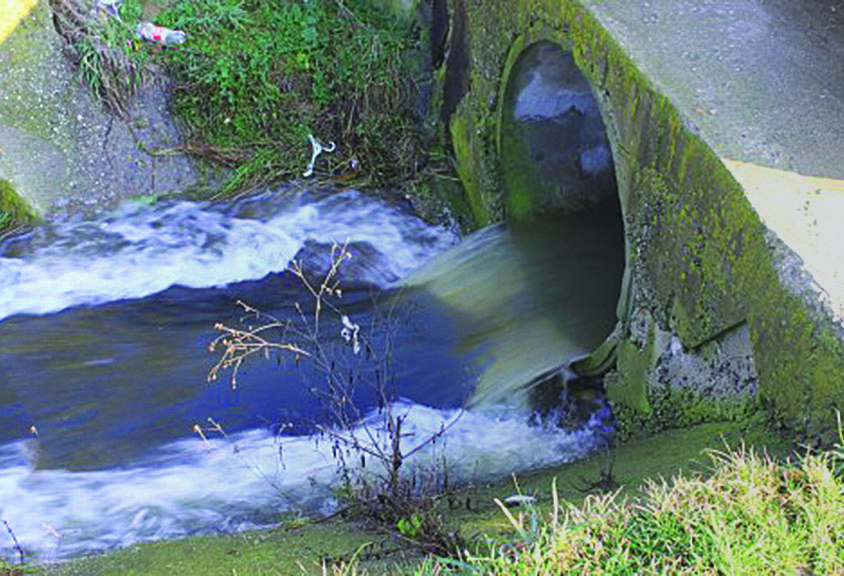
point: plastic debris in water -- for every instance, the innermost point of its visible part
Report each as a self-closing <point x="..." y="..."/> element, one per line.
<point x="318" y="149"/>
<point x="159" y="34"/>
<point x="32" y="448"/>
<point x="349" y="333"/>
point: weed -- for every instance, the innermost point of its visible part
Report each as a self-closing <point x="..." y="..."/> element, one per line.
<point x="7" y="569"/>
<point x="15" y="215"/>
<point x="256" y="78"/>
<point x="751" y="516"/>
<point x="405" y="504"/>
<point x="108" y="56"/>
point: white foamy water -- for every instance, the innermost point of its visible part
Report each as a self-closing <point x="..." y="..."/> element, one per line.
<point x="191" y="487"/>
<point x="138" y="250"/>
<point x="252" y="478"/>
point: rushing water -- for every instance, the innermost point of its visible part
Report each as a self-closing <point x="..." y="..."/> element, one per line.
<point x="105" y="322"/>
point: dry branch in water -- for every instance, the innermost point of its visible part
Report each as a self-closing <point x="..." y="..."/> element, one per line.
<point x="353" y="437"/>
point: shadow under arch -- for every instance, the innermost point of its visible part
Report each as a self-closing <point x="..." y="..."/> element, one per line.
<point x="560" y="191"/>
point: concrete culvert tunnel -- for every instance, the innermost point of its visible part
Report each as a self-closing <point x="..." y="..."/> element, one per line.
<point x="555" y="153"/>
<point x="560" y="191"/>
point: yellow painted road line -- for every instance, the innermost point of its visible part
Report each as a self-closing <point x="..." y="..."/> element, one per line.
<point x="11" y="13"/>
<point x="807" y="213"/>
<point x="760" y="176"/>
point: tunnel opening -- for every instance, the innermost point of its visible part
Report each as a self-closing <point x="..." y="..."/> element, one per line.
<point x="562" y="204"/>
<point x="555" y="153"/>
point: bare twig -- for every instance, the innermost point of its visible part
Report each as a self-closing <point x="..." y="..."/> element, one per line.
<point x="239" y="344"/>
<point x="389" y="493"/>
<point x="435" y="436"/>
<point x="17" y="544"/>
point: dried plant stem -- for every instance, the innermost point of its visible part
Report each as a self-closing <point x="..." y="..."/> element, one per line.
<point x="17" y="544"/>
<point x="388" y="495"/>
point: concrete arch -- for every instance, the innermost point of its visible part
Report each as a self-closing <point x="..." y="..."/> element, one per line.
<point x="557" y="166"/>
<point x="714" y="313"/>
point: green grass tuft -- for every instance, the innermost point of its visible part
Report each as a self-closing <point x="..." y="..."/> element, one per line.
<point x="108" y="56"/>
<point x="256" y="77"/>
<point x="14" y="212"/>
<point x="752" y="515"/>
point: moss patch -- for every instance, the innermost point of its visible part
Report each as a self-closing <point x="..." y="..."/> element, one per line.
<point x="14" y="212"/>
<point x="464" y="143"/>
<point x="628" y="387"/>
<point x="300" y="548"/>
<point x="633" y="462"/>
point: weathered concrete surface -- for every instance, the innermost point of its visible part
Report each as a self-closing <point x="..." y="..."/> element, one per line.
<point x="807" y="213"/>
<point x="12" y="12"/>
<point x="763" y="82"/>
<point x="723" y="283"/>
<point x="59" y="146"/>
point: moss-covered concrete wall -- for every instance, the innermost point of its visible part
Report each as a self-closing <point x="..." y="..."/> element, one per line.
<point x="14" y="212"/>
<point x="713" y="319"/>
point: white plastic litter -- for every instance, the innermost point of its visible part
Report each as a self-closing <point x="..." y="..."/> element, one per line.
<point x="318" y="149"/>
<point x="519" y="500"/>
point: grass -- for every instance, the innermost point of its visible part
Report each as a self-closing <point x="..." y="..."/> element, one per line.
<point x="749" y="513"/>
<point x="255" y="78"/>
<point x="109" y="57"/>
<point x="14" y="213"/>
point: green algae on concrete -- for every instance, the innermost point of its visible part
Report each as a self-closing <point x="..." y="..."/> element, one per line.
<point x="297" y="548"/>
<point x="632" y="466"/>
<point x="474" y="514"/>
<point x="466" y="144"/>
<point x="14" y="211"/>
<point x="637" y="461"/>
<point x="700" y="262"/>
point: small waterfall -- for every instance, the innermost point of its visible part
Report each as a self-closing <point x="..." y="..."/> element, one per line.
<point x="533" y="300"/>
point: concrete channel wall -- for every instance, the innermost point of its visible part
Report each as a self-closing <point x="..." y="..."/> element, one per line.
<point x="717" y="313"/>
<point x="59" y="147"/>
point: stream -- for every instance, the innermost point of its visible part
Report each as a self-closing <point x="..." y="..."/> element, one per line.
<point x="106" y="320"/>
